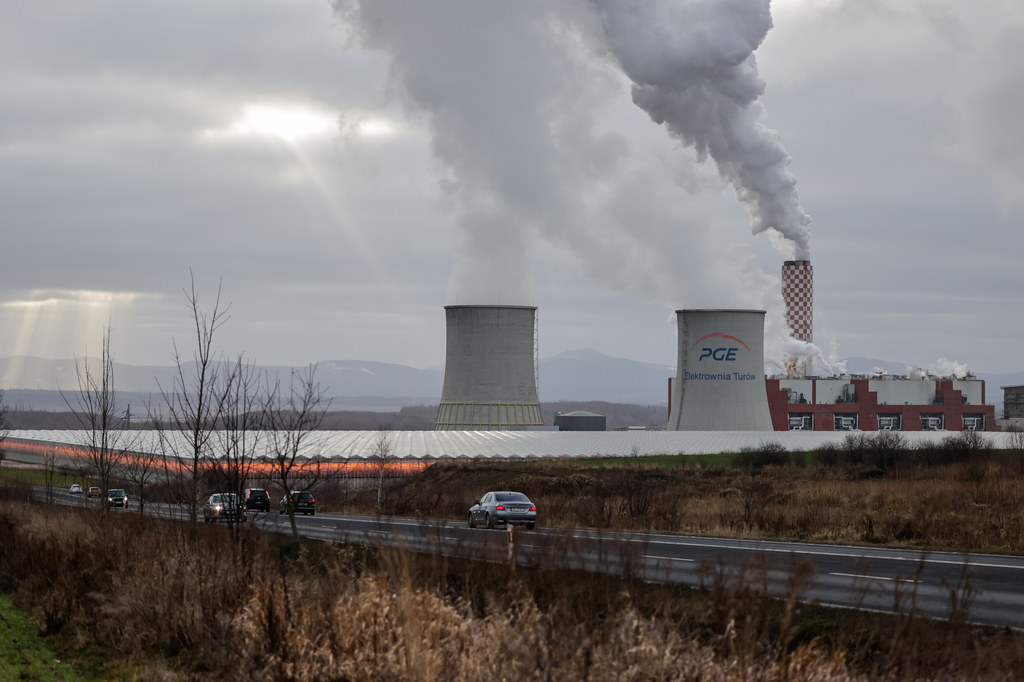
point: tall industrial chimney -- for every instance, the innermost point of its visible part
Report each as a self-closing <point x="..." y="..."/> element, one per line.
<point x="798" y="297"/>
<point x="490" y="378"/>
<point x="719" y="383"/>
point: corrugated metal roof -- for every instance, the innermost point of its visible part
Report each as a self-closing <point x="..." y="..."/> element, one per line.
<point x="541" y="444"/>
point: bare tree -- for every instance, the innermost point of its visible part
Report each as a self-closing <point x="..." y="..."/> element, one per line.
<point x="291" y="421"/>
<point x="4" y="426"/>
<point x="192" y="405"/>
<point x="49" y="473"/>
<point x="140" y="468"/>
<point x="241" y="412"/>
<point x="94" y="406"/>
<point x="382" y="457"/>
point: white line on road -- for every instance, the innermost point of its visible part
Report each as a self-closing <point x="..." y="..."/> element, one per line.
<point x="874" y="577"/>
<point x="667" y="558"/>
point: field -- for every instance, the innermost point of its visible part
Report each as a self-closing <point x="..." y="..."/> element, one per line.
<point x="126" y="597"/>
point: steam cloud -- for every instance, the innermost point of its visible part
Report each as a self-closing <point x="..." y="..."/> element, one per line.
<point x="517" y="97"/>
<point x="693" y="69"/>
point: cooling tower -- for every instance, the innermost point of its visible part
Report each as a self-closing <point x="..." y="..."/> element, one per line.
<point x="798" y="297"/>
<point x="490" y="378"/>
<point x="719" y="382"/>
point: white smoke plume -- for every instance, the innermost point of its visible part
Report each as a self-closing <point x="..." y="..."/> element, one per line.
<point x="780" y="348"/>
<point x="693" y="69"/>
<point x="521" y="105"/>
<point x="944" y="367"/>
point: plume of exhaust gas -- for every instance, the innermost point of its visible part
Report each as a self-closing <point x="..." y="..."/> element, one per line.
<point x="692" y="66"/>
<point x="945" y="367"/>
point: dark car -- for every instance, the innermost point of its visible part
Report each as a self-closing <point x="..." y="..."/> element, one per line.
<point x="256" y="499"/>
<point x="117" y="498"/>
<point x="503" y="507"/>
<point x="302" y="502"/>
<point x="222" y="507"/>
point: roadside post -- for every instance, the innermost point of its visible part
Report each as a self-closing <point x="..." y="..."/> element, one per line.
<point x="511" y="534"/>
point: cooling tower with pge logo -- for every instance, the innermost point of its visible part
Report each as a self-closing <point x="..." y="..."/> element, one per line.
<point x="719" y="383"/>
<point x="490" y="371"/>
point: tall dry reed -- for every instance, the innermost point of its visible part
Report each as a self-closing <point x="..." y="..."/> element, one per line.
<point x="265" y="607"/>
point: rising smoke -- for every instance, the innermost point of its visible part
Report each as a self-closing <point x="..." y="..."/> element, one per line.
<point x="693" y="69"/>
<point x="523" y="102"/>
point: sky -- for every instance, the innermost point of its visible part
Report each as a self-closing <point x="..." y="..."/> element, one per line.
<point x="340" y="171"/>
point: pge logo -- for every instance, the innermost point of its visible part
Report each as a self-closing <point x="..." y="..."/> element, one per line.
<point x="718" y="353"/>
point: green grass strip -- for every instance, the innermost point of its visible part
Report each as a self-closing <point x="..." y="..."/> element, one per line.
<point x="24" y="654"/>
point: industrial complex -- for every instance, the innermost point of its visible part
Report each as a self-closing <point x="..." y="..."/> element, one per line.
<point x="720" y="399"/>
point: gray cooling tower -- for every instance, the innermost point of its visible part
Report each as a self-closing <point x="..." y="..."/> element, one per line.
<point x="719" y="382"/>
<point x="490" y="378"/>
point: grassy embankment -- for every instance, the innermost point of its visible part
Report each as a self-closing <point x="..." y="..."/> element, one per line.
<point x="24" y="654"/>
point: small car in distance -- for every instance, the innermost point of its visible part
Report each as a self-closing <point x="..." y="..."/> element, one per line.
<point x="302" y="501"/>
<point x="223" y="507"/>
<point x="256" y="499"/>
<point x="75" y="489"/>
<point x="501" y="508"/>
<point x="117" y="498"/>
<point x="94" y="491"/>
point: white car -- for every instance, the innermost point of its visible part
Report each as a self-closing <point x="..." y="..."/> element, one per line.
<point x="75" y="489"/>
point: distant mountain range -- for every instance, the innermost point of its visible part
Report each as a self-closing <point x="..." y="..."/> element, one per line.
<point x="577" y="375"/>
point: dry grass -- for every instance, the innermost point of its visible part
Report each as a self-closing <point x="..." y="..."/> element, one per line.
<point x="178" y="604"/>
<point x="974" y="506"/>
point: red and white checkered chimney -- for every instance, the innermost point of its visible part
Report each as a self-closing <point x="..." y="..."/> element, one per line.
<point x="798" y="297"/>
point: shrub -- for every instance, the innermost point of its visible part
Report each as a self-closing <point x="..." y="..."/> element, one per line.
<point x="770" y="453"/>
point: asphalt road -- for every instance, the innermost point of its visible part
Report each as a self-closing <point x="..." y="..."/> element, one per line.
<point x="980" y="588"/>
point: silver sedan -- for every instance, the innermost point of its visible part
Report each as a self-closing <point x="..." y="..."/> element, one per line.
<point x="503" y="507"/>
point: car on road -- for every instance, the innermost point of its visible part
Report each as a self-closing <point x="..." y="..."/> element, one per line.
<point x="223" y="507"/>
<point x="117" y="498"/>
<point x="256" y="499"/>
<point x="94" y="491"/>
<point x="302" y="502"/>
<point x="75" y="489"/>
<point x="501" y="508"/>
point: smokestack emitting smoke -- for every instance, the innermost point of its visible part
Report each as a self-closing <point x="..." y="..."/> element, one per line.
<point x="693" y="69"/>
<point x="798" y="296"/>
<point x="798" y="299"/>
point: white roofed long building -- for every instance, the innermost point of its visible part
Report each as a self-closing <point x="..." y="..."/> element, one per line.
<point x="341" y="452"/>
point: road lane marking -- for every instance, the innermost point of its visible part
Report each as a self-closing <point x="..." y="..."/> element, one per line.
<point x="875" y="577"/>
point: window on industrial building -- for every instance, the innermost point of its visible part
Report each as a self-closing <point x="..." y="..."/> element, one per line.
<point x="801" y="422"/>
<point x="931" y="422"/>
<point x="844" y="422"/>
<point x="974" y="422"/>
<point x="890" y="422"/>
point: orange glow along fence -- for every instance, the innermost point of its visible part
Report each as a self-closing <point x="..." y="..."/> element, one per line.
<point x="319" y="468"/>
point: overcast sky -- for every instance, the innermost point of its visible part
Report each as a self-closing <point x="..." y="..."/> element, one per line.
<point x="343" y="172"/>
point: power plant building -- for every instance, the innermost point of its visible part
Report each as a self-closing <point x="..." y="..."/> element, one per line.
<point x="879" y="403"/>
<point x="720" y="382"/>
<point x="581" y="420"/>
<point x="490" y="372"/>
